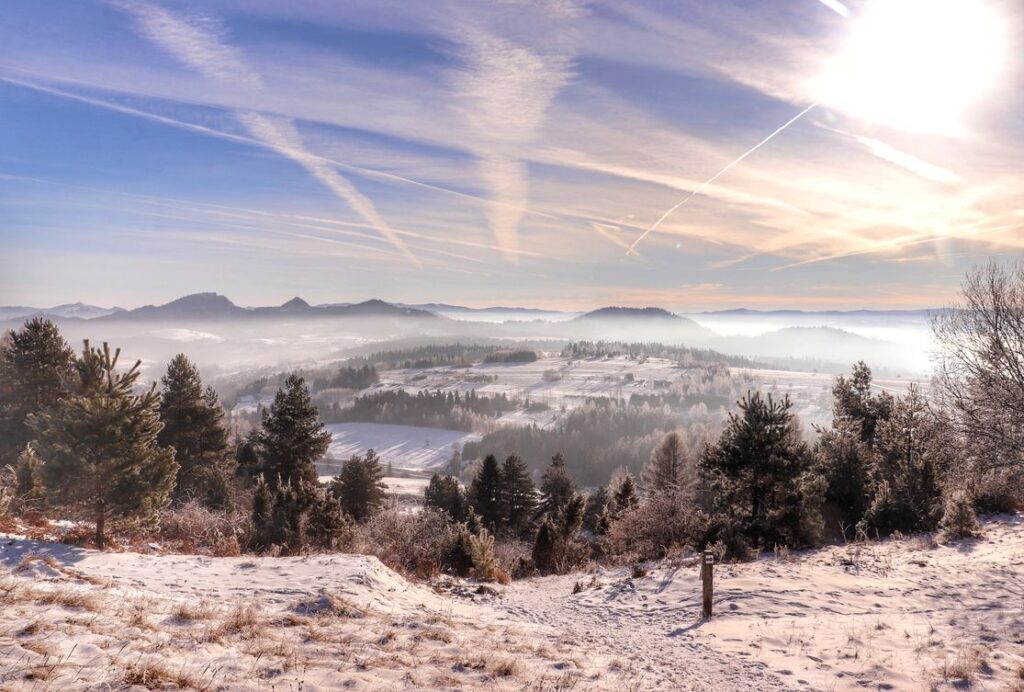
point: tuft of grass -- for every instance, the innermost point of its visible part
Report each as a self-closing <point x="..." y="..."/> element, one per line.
<point x="193" y="611"/>
<point x="154" y="674"/>
<point x="69" y="598"/>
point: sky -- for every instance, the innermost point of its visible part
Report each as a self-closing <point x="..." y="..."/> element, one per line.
<point x="560" y="154"/>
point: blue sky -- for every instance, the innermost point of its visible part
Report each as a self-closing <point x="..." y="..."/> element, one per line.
<point x="507" y="152"/>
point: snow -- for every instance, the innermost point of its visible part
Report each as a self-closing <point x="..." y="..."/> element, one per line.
<point x="899" y="614"/>
<point x="185" y="335"/>
<point x="404" y="446"/>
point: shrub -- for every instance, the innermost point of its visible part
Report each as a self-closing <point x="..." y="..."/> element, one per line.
<point x="409" y="542"/>
<point x="650" y="530"/>
<point x="192" y="527"/>
<point x="958" y="517"/>
<point x="481" y="551"/>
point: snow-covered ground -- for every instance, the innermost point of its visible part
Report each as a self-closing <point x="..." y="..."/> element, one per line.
<point x="909" y="615"/>
<point x="403" y="446"/>
<point x="550" y="380"/>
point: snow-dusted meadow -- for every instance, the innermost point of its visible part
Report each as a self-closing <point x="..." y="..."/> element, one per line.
<point x="403" y="446"/>
<point x="901" y="614"/>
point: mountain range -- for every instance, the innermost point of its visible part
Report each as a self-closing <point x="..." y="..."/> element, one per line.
<point x="216" y="306"/>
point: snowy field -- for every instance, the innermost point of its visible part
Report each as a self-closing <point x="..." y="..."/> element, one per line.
<point x="403" y="446"/>
<point x="551" y="380"/>
<point x="903" y="614"/>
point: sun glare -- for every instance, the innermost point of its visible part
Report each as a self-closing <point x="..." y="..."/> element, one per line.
<point x="918" y="65"/>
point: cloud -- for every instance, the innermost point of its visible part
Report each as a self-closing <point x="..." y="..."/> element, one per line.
<point x="281" y="135"/>
<point x="919" y="167"/>
<point x="196" y="43"/>
<point x="504" y="89"/>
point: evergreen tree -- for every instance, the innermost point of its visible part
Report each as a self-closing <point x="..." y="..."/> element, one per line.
<point x="359" y="486"/>
<point x="755" y="472"/>
<point x="558" y="546"/>
<point x="544" y="548"/>
<point x="485" y="492"/>
<point x="262" y="509"/>
<point x="517" y="496"/>
<point x="845" y="460"/>
<point x="444" y="494"/>
<point x="670" y="468"/>
<point x="914" y="449"/>
<point x="194" y="427"/>
<point x="35" y="363"/>
<point x="292" y="438"/>
<point x="624" y="496"/>
<point x="598" y="513"/>
<point x="854" y="402"/>
<point x="454" y="467"/>
<point x="99" y="444"/>
<point x="556" y="487"/>
<point x="247" y="459"/>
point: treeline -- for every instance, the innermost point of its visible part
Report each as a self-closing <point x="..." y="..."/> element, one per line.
<point x="427" y="356"/>
<point x="347" y="377"/>
<point x="682" y="355"/>
<point x="595" y="439"/>
<point x="439" y="409"/>
<point x="520" y="356"/>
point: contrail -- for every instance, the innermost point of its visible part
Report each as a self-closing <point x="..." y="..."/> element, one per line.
<point x="716" y="176"/>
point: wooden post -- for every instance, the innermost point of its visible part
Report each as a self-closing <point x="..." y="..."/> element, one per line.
<point x="707" y="580"/>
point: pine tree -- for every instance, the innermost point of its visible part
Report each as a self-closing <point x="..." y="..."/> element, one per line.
<point x="517" y="496"/>
<point x="485" y="492"/>
<point x="35" y="364"/>
<point x="624" y="496"/>
<point x="544" y="548"/>
<point x="556" y="487"/>
<point x="194" y="427"/>
<point x="755" y="472"/>
<point x="99" y="444"/>
<point x="262" y="512"/>
<point x="598" y="513"/>
<point x="854" y="402"/>
<point x="359" y="486"/>
<point x="913" y="451"/>
<point x="292" y="438"/>
<point x="670" y="468"/>
<point x="454" y="467"/>
<point x="443" y="493"/>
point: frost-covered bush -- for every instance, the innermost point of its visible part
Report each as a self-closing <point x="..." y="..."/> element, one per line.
<point x="412" y="543"/>
<point x="193" y="527"/>
<point x="958" y="517"/>
<point x="650" y="530"/>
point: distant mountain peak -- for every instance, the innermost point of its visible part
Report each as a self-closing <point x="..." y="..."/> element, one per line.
<point x="634" y="313"/>
<point x="295" y="303"/>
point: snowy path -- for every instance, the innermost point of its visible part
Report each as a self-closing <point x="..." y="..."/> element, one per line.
<point x="657" y="642"/>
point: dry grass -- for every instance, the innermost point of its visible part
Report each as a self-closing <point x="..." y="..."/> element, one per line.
<point x="68" y="598"/>
<point x="192" y="611"/>
<point x="154" y="674"/>
<point x="965" y="665"/>
<point x="243" y="619"/>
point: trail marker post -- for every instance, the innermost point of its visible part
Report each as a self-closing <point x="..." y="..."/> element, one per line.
<point x="707" y="580"/>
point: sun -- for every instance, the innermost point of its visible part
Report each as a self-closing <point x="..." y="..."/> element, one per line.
<point x="917" y="65"/>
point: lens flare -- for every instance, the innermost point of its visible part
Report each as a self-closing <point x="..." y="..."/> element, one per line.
<point x="917" y="65"/>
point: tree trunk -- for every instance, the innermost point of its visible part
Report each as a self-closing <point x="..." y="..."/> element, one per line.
<point x="101" y="520"/>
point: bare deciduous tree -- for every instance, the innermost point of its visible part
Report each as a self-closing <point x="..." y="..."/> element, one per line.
<point x="980" y="369"/>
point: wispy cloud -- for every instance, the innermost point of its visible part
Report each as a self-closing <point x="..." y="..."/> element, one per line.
<point x="198" y="44"/>
<point x="504" y="90"/>
<point x="886" y="152"/>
